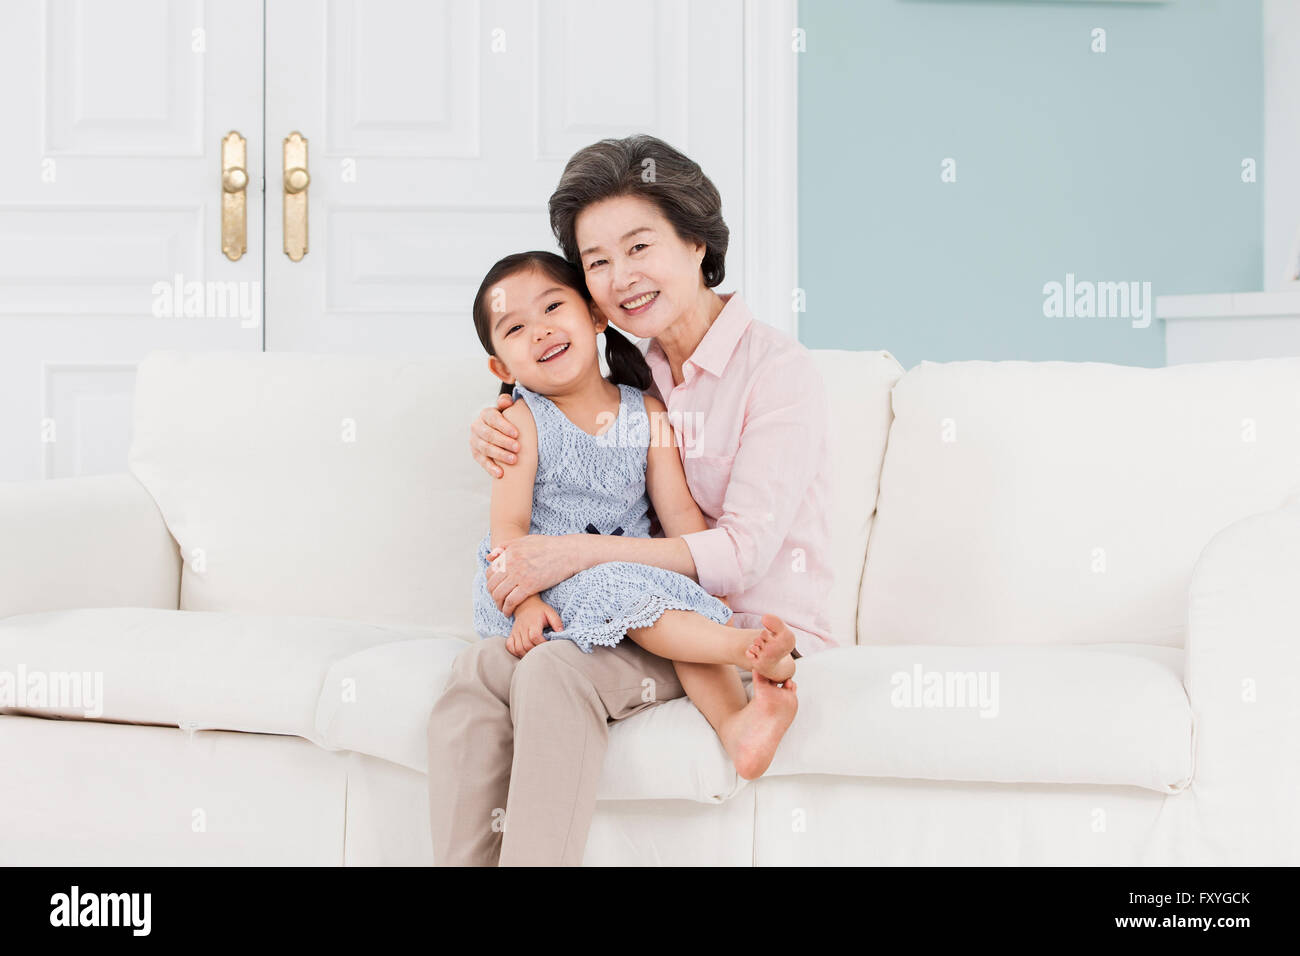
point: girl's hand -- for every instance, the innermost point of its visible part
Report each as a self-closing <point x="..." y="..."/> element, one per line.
<point x="531" y="564"/>
<point x="492" y="438"/>
<point x="532" y="616"/>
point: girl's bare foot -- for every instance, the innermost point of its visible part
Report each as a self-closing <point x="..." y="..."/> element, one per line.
<point x="769" y="654"/>
<point x="752" y="735"/>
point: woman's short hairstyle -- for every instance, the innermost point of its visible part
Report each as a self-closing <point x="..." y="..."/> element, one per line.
<point x="648" y="168"/>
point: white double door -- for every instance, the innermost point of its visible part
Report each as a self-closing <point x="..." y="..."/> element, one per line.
<point x="435" y="133"/>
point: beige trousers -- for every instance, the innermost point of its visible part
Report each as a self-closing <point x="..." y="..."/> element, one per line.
<point x="516" y="747"/>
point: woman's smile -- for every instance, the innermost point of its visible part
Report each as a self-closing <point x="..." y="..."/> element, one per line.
<point x="640" y="304"/>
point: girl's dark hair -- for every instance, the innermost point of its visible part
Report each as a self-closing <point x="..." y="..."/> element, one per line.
<point x="648" y="168"/>
<point x="627" y="366"/>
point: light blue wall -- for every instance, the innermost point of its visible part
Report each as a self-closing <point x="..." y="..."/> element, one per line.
<point x="1117" y="166"/>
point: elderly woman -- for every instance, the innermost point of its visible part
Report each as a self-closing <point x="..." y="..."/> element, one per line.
<point x="516" y="744"/>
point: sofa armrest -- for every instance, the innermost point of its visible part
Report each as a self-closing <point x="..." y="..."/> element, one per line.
<point x="1242" y="675"/>
<point x="84" y="542"/>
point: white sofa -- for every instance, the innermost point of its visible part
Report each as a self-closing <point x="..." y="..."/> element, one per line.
<point x="1106" y="558"/>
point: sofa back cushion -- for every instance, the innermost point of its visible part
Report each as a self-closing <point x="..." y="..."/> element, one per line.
<point x="1054" y="502"/>
<point x="324" y="485"/>
<point x="857" y="390"/>
<point x="342" y="486"/>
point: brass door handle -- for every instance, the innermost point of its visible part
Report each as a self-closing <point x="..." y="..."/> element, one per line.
<point x="296" y="181"/>
<point x="234" y="183"/>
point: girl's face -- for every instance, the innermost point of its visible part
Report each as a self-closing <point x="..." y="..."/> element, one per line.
<point x="543" y="332"/>
<point x="640" y="273"/>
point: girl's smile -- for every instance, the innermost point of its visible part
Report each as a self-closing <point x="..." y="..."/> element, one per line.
<point x="554" y="352"/>
<point x="544" y="335"/>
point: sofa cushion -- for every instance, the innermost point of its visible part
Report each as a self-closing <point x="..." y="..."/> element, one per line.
<point x="377" y="701"/>
<point x="205" y="670"/>
<point x="1055" y="502"/>
<point x="341" y="684"/>
<point x="325" y="485"/>
<point x="1089" y="714"/>
<point x="1099" y="714"/>
<point x="342" y="486"/>
<point x="857" y="391"/>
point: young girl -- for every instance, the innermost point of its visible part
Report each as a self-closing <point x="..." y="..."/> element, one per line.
<point x="590" y="451"/>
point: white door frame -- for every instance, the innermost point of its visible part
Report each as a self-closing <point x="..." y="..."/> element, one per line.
<point x="771" y="162"/>
<point x="1281" y="145"/>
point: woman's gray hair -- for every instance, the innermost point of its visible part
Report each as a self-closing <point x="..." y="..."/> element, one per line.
<point x="648" y="168"/>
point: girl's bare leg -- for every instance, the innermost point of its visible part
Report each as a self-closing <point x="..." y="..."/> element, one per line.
<point x="706" y="655"/>
<point x="694" y="639"/>
<point x="750" y="731"/>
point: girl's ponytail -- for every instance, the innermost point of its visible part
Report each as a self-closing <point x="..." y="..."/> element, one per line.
<point x="627" y="366"/>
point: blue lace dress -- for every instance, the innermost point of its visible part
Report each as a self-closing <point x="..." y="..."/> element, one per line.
<point x="595" y="484"/>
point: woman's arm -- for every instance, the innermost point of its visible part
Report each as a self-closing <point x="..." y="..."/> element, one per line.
<point x="538" y="561"/>
<point x="783" y="445"/>
<point x="492" y="438"/>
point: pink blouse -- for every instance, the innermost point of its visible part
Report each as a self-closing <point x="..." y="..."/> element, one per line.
<point x="751" y="418"/>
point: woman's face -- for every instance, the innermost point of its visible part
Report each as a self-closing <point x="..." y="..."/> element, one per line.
<point x="543" y="332"/>
<point x="641" y="275"/>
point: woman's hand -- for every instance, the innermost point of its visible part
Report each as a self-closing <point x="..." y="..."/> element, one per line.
<point x="492" y="438"/>
<point x="531" y="564"/>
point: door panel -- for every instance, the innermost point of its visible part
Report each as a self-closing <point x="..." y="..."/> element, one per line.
<point x="110" y="198"/>
<point x="437" y="132"/>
